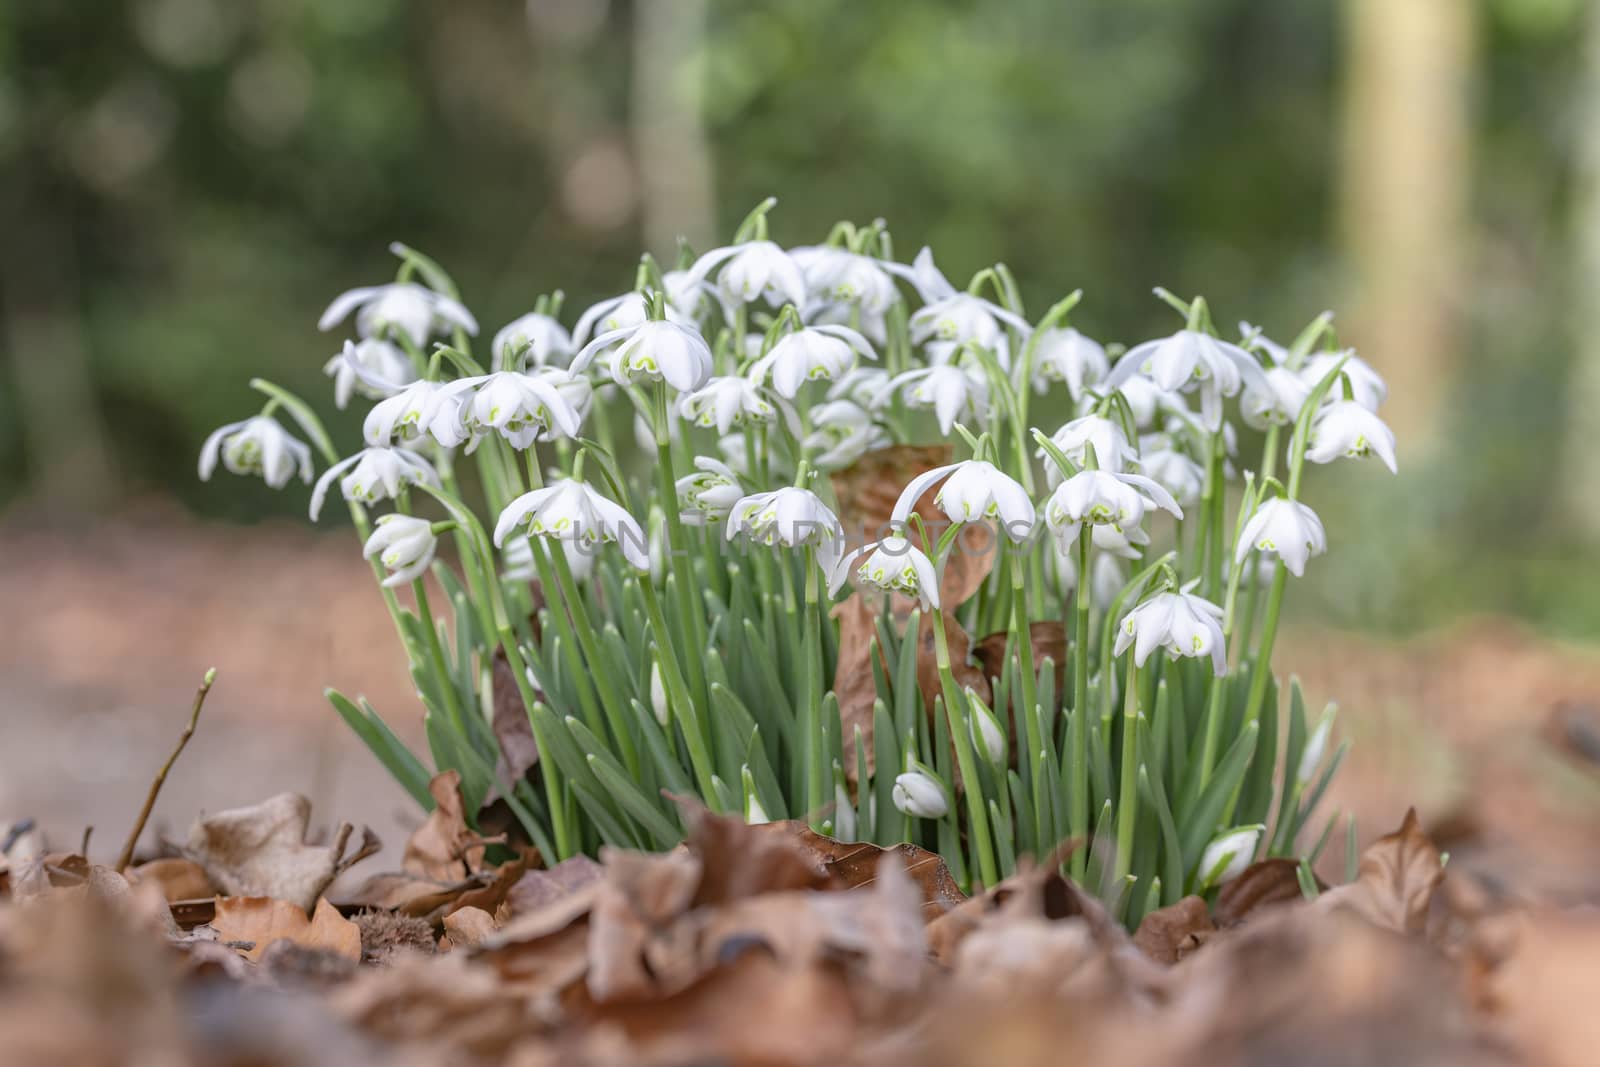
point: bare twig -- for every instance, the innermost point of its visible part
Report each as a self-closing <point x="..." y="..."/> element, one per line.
<point x="161" y="775"/>
<point x="83" y="847"/>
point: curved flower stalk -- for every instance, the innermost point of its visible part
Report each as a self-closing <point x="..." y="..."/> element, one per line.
<point x="571" y="511"/>
<point x="406" y="308"/>
<point x="652" y="351"/>
<point x="256" y="446"/>
<point x="372" y="367"/>
<point x="404" y="545"/>
<point x="1183" y="624"/>
<point x="1284" y="528"/>
<point x="377" y="473"/>
<point x="950" y="391"/>
<point x="1062" y="354"/>
<point x="973" y="491"/>
<point x="534" y="339"/>
<point x="811" y="353"/>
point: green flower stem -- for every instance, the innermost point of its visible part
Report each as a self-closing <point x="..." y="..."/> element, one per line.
<point x="691" y="622"/>
<point x="1216" y="509"/>
<point x="1022" y="634"/>
<point x="1262" y="673"/>
<point x="817" y="791"/>
<point x="1078" y="739"/>
<point x="441" y="667"/>
<point x="683" y="704"/>
<point x="1128" y="802"/>
<point x="966" y="761"/>
<point x="571" y="650"/>
<point x="611" y="702"/>
<point x="554" y="793"/>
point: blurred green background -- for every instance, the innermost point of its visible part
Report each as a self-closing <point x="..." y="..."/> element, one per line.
<point x="184" y="184"/>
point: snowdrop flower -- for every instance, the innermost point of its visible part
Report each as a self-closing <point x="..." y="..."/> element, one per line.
<point x="1367" y="386"/>
<point x="405" y="307"/>
<point x="1103" y="498"/>
<point x="843" y="432"/>
<point x="919" y="795"/>
<point x="1173" y="470"/>
<point x="404" y="545"/>
<point x="840" y="276"/>
<point x="535" y="339"/>
<point x="896" y="565"/>
<point x="948" y="390"/>
<point x="810" y="353"/>
<point x="377" y="473"/>
<point x="523" y="407"/>
<point x="989" y="738"/>
<point x="1065" y="355"/>
<point x="728" y="400"/>
<point x="1286" y="529"/>
<point x="422" y="408"/>
<point x="1348" y="428"/>
<point x="871" y="325"/>
<point x="709" y="493"/>
<point x="973" y="490"/>
<point x="751" y="271"/>
<point x="1229" y="854"/>
<point x="520" y="567"/>
<point x="385" y="365"/>
<point x="1127" y="543"/>
<point x="1147" y="400"/>
<point x="1183" y="624"/>
<point x="256" y="446"/>
<point x="860" y="385"/>
<point x="652" y="351"/>
<point x="569" y="510"/>
<point x="1111" y="449"/>
<point x="622" y="313"/>
<point x="789" y="516"/>
<point x="844" y="814"/>
<point x="1188" y="357"/>
<point x="1316" y="745"/>
<point x="1276" y="400"/>
<point x="951" y="318"/>
<point x="658" y="694"/>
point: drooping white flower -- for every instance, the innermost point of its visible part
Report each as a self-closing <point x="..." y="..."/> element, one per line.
<point x="404" y="545"/>
<point x="570" y="510"/>
<point x="1183" y="624"/>
<point x="406" y="307"/>
<point x="256" y="445"/>
<point x="1229" y="854"/>
<point x="844" y="814"/>
<point x="1124" y="543"/>
<point x="840" y="276"/>
<point x="895" y="564"/>
<point x="948" y="390"/>
<point x="1316" y="746"/>
<point x="421" y="409"/>
<point x="870" y="324"/>
<point x="1147" y="401"/>
<point x="709" y="493"/>
<point x="973" y="490"/>
<point x="789" y="516"/>
<point x="1367" y="386"/>
<point x="989" y="737"/>
<point x="919" y="795"/>
<point x="842" y="432"/>
<point x="751" y="271"/>
<point x="950" y="318"/>
<point x="811" y="353"/>
<point x="1065" y="355"/>
<point x="522" y="407"/>
<point x="1190" y="357"/>
<point x="534" y="340"/>
<point x="1103" y="498"/>
<point x="1286" y="529"/>
<point x="385" y="365"/>
<point x="1173" y="470"/>
<point x="726" y="401"/>
<point x="621" y="313"/>
<point x="652" y="351"/>
<point x="1276" y="400"/>
<point x="376" y="473"/>
<point x="1111" y="448"/>
<point x="1347" y="428"/>
<point x="658" y="694"/>
<point x="518" y="553"/>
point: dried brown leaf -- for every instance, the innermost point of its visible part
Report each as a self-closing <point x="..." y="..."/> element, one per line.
<point x="856" y="864"/>
<point x="178" y="879"/>
<point x="407" y="893"/>
<point x="263" y="920"/>
<point x="445" y="1005"/>
<point x="1169" y="934"/>
<point x="519" y="752"/>
<point x="967" y="675"/>
<point x="262" y="851"/>
<point x="1538" y="982"/>
<point x="1260" y="885"/>
<point x="536" y="889"/>
<point x="444" y="848"/>
<point x="467" y="928"/>
<point x="854" y="685"/>
<point x="1395" y="882"/>
<point x="739" y="860"/>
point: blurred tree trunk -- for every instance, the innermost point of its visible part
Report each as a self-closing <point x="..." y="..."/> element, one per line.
<point x="1582" y="483"/>
<point x="669" y="140"/>
<point x="1405" y="187"/>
